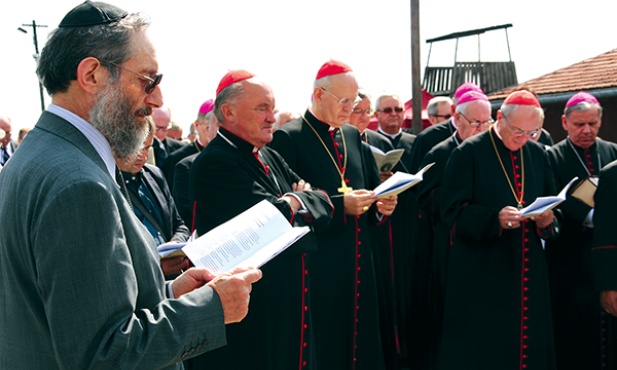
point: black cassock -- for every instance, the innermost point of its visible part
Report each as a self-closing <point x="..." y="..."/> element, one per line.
<point x="430" y="196"/>
<point x="390" y="265"/>
<point x="580" y="324"/>
<point x="604" y="249"/>
<point x="497" y="305"/>
<point x="420" y="331"/>
<point x="227" y="178"/>
<point x="342" y="275"/>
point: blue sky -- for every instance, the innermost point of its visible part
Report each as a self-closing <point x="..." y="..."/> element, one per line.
<point x="285" y="42"/>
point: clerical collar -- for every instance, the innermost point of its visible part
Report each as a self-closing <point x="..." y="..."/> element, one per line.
<point x="318" y="124"/>
<point x="453" y="123"/>
<point x="236" y="142"/>
<point x="457" y="139"/>
<point x="198" y="144"/>
<point x="390" y="135"/>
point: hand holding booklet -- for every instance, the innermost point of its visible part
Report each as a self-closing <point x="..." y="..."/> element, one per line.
<point x="543" y="204"/>
<point x="399" y="182"/>
<point x="250" y="239"/>
<point x="386" y="161"/>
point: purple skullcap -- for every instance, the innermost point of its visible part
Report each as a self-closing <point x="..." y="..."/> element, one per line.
<point x="580" y="97"/>
<point x="206" y="107"/>
<point x="471" y="96"/>
<point x="467" y="86"/>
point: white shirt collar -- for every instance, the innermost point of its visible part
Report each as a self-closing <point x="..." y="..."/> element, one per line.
<point x="390" y="135"/>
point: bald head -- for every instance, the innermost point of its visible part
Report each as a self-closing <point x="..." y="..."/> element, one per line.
<point x="5" y="125"/>
<point x="162" y="120"/>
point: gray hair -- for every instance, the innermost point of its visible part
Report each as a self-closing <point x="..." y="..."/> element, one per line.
<point x="580" y="107"/>
<point x="68" y="46"/>
<point x="508" y="109"/>
<point x="378" y="100"/>
<point x="228" y="95"/>
<point x="462" y="108"/>
<point x="431" y="108"/>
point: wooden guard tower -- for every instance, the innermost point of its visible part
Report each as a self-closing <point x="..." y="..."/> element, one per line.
<point x="490" y="76"/>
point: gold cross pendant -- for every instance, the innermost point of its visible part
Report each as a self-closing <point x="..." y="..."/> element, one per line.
<point x="344" y="189"/>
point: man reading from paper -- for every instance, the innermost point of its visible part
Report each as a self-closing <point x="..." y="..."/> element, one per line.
<point x="234" y="172"/>
<point x="497" y="305"/>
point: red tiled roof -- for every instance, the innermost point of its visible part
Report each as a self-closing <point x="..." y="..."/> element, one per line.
<point x="599" y="72"/>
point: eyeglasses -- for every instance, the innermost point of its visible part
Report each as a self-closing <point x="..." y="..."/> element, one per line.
<point x="446" y="116"/>
<point x="477" y="123"/>
<point x="341" y="102"/>
<point x="162" y="128"/>
<point x="361" y="111"/>
<point x="520" y="133"/>
<point x="390" y="109"/>
<point x="153" y="81"/>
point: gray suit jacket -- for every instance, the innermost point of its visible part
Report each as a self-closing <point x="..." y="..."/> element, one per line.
<point x="80" y="283"/>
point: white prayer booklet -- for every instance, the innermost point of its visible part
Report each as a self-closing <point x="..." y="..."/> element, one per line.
<point x="543" y="204"/>
<point x="399" y="182"/>
<point x="386" y="161"/>
<point x="250" y="239"/>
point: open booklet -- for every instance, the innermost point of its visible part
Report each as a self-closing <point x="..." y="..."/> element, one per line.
<point x="543" y="204"/>
<point x="585" y="190"/>
<point x="386" y="161"/>
<point x="250" y="239"/>
<point x="399" y="182"/>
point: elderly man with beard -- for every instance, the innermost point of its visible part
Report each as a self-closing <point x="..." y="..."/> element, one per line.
<point x="80" y="282"/>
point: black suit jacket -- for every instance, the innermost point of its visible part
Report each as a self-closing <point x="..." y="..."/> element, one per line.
<point x="169" y="166"/>
<point x="170" y="146"/>
<point x="173" y="226"/>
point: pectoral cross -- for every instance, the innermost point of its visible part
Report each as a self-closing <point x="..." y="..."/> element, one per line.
<point x="344" y="189"/>
<point x="519" y="206"/>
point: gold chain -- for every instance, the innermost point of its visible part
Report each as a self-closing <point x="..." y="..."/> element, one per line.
<point x="519" y="201"/>
<point x="344" y="188"/>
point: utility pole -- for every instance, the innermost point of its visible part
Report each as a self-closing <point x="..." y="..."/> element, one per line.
<point x="36" y="53"/>
<point x="416" y="90"/>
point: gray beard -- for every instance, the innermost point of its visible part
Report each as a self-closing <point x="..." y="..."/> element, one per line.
<point x="111" y="114"/>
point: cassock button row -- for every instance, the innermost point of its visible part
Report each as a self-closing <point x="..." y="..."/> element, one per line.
<point x="305" y="326"/>
<point x="347" y="181"/>
<point x="340" y="156"/>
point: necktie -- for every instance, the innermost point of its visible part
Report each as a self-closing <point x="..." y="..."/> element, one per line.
<point x="145" y="197"/>
<point x="5" y="155"/>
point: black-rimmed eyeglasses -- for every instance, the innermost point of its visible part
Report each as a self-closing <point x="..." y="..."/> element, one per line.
<point x="153" y="81"/>
<point x="389" y="110"/>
